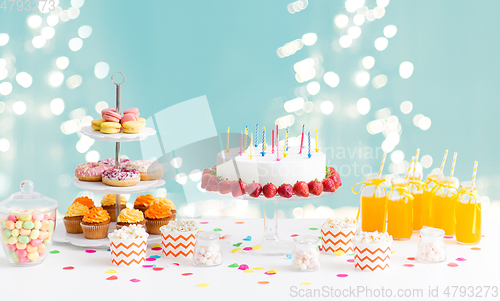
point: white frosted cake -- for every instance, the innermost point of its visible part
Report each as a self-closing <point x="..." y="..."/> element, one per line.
<point x="266" y="169"/>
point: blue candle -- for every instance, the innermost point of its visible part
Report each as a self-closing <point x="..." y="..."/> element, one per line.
<point x="256" y="134"/>
<point x="263" y="141"/>
<point x="309" y="140"/>
<point x="286" y="142"/>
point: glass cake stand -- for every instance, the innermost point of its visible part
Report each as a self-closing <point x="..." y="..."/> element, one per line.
<point x="272" y="244"/>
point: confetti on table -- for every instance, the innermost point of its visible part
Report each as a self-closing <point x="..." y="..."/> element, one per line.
<point x="69" y="268"/>
<point x="448" y="236"/>
<point x="351" y="254"/>
<point x="90" y="251"/>
<point x="409" y="265"/>
<point x="158" y="268"/>
<point x="227" y="236"/>
<point x="187" y="274"/>
<point x="239" y="223"/>
<point x="342" y="275"/>
<point x="271" y="272"/>
<point x="289" y="256"/>
<point x="249" y="271"/>
<point x="173" y="265"/>
<point x="176" y="264"/>
<point x="256" y="247"/>
<point x="313" y="228"/>
<point x="135" y="280"/>
<point x="350" y="260"/>
<point x="243" y="267"/>
<point x="475" y="248"/>
<point x="248" y="238"/>
<point x="339" y="253"/>
<point x="294" y="235"/>
<point x="460" y="259"/>
<point x="156" y="249"/>
<point x="112" y="278"/>
<point x="109" y="250"/>
<point x="217" y="229"/>
<point x="258" y="268"/>
<point x="155" y="256"/>
<point x="150" y="259"/>
<point x="148" y="266"/>
<point x="203" y="284"/>
<point x="411" y="258"/>
<point x="247" y="249"/>
<point x="156" y="246"/>
<point x="237" y="245"/>
<point x="203" y="223"/>
<point x="483" y="235"/>
<point x="111" y="271"/>
<point x="452" y="264"/>
<point x="54" y="252"/>
<point x="392" y="252"/>
<point x="234" y="265"/>
<point x="263" y="282"/>
<point x="235" y="250"/>
<point x="305" y="283"/>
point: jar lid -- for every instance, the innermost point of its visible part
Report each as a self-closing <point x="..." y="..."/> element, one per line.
<point x="432" y="232"/>
<point x="27" y="200"/>
<point x="207" y="235"/>
<point x="306" y="239"/>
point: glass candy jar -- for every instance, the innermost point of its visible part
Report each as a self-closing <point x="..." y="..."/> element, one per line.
<point x="431" y="246"/>
<point x="207" y="251"/>
<point x="27" y="223"/>
<point x="305" y="257"/>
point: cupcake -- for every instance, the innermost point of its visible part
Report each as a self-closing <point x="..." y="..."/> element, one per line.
<point x="108" y="203"/>
<point x="168" y="203"/>
<point x="157" y="215"/>
<point x="143" y="202"/>
<point x="129" y="217"/>
<point x="75" y="213"/>
<point x="95" y="223"/>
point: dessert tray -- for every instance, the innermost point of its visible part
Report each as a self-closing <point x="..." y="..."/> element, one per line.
<point x="101" y="188"/>
<point x="119" y="137"/>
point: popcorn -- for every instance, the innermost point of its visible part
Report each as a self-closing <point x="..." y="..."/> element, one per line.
<point x="130" y="232"/>
<point x="179" y="226"/>
<point x="340" y="222"/>
<point x="372" y="237"/>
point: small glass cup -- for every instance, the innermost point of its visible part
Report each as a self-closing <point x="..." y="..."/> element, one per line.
<point x="207" y="251"/>
<point x="305" y="257"/>
<point x="431" y="246"/>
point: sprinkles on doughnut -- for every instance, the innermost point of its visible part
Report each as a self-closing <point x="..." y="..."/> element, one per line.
<point x="90" y="171"/>
<point x="121" y="177"/>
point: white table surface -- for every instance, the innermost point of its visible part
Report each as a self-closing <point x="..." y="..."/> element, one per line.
<point x="87" y="281"/>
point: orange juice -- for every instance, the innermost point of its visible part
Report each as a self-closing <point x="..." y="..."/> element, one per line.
<point x="468" y="231"/>
<point x="427" y="218"/>
<point x="373" y="213"/>
<point x="444" y="213"/>
<point x="400" y="210"/>
<point x="417" y="211"/>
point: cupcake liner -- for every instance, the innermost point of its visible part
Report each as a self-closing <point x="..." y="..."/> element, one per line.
<point x="175" y="243"/>
<point x="370" y="257"/>
<point x="73" y="225"/>
<point x="127" y="252"/>
<point x="95" y="231"/>
<point x="337" y="239"/>
<point x="153" y="225"/>
<point x="112" y="211"/>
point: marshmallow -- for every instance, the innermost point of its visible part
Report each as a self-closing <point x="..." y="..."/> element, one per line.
<point x="209" y="255"/>
<point x="179" y="226"/>
<point x="129" y="232"/>
<point x="306" y="260"/>
<point x="340" y="222"/>
<point x="431" y="251"/>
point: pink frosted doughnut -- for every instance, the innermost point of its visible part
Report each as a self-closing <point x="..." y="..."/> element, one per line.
<point x="134" y="111"/>
<point x="110" y="162"/>
<point x="111" y="116"/>
<point x="91" y="171"/>
<point x="121" y="177"/>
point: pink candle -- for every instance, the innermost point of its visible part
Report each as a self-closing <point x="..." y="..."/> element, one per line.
<point x="301" y="141"/>
<point x="277" y="144"/>
<point x="273" y="141"/>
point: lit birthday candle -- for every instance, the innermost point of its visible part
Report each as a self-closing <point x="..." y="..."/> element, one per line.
<point x="286" y="140"/>
<point x="251" y="147"/>
<point x="309" y="140"/>
<point x="227" y="140"/>
<point x="277" y="144"/>
<point x="273" y="142"/>
<point x="256" y="134"/>
<point x="284" y="148"/>
<point x="316" y="138"/>
<point x="241" y="143"/>
<point x="245" y="141"/>
<point x="263" y="141"/>
<point x="302" y="140"/>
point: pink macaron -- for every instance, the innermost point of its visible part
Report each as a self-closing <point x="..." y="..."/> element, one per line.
<point x="134" y="111"/>
<point x="108" y="110"/>
<point x="111" y="116"/>
<point x="128" y="117"/>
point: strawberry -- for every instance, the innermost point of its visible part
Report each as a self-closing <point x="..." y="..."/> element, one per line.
<point x="301" y="189"/>
<point x="329" y="185"/>
<point x="204" y="180"/>
<point x="213" y="184"/>
<point x="315" y="187"/>
<point x="206" y="170"/>
<point x="285" y="190"/>
<point x="238" y="188"/>
<point x="254" y="189"/>
<point x="269" y="190"/>
<point x="224" y="186"/>
<point x="334" y="175"/>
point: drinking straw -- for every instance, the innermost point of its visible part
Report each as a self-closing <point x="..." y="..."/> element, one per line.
<point x="474" y="175"/>
<point x="410" y="167"/>
<point x="416" y="160"/>
<point x="382" y="166"/>
<point x="444" y="160"/>
<point x="453" y="165"/>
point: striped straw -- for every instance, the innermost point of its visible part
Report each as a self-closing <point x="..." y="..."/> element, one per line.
<point x="453" y="164"/>
<point x="382" y="165"/>
<point x="416" y="160"/>
<point x="474" y="176"/>
<point x="444" y="160"/>
<point x="410" y="167"/>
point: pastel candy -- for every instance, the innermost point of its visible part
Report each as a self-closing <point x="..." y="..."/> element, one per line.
<point x="37" y="224"/>
<point x="12" y="218"/>
<point x="15" y="232"/>
<point x="10" y="225"/>
<point x="41" y="249"/>
<point x="24" y="232"/>
<point x="12" y="247"/>
<point x="21" y="253"/>
<point x="7" y="233"/>
<point x="25" y="217"/>
<point x="3" y="224"/>
<point x="34" y="234"/>
<point x="46" y="243"/>
<point x="20" y="246"/>
<point x="43" y="234"/>
<point x="12" y="240"/>
<point x="38" y="216"/>
<point x="36" y="242"/>
<point x="45" y="225"/>
<point x="33" y="256"/>
<point x="28" y="225"/>
<point x="5" y="239"/>
<point x="31" y="248"/>
<point x="19" y="224"/>
<point x="13" y="255"/>
<point x="24" y="259"/>
<point x="51" y="225"/>
<point x="23" y="239"/>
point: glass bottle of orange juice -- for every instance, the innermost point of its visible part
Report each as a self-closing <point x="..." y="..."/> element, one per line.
<point x="429" y="184"/>
<point x="468" y="215"/>
<point x="443" y="202"/>
<point x="373" y="204"/>
<point x="416" y="188"/>
<point x="400" y="210"/>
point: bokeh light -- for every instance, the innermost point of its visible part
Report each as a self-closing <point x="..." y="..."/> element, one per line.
<point x="426" y="161"/>
<point x="341" y="21"/>
<point x="363" y="106"/>
<point x="390" y="31"/>
<point x="62" y="62"/>
<point x="313" y="88"/>
<point x="381" y="43"/>
<point x="77" y="3"/>
<point x="75" y="44"/>
<point x="57" y="106"/>
<point x="345" y="41"/>
<point x="38" y="42"/>
<point x="19" y="107"/>
<point x="34" y="21"/>
<point x="101" y="70"/>
<point x="4" y="145"/>
<point x="379" y="81"/>
<point x="332" y="79"/>
<point x="397" y="156"/>
<point x="92" y="156"/>
<point x="85" y="31"/>
<point x="368" y="62"/>
<point x="52" y="20"/>
<point x="354" y="32"/>
<point x="5" y="88"/>
<point x="48" y="32"/>
<point x="294" y="104"/>
<point x="24" y="79"/>
<point x="406" y="69"/>
<point x="361" y="78"/>
<point x="56" y="78"/>
<point x="309" y="38"/>
<point x="74" y="81"/>
<point x="326" y="107"/>
<point x="406" y="107"/>
<point x="101" y="105"/>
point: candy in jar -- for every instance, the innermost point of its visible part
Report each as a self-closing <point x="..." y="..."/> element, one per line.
<point x="431" y="246"/>
<point x="207" y="251"/>
<point x="305" y="257"/>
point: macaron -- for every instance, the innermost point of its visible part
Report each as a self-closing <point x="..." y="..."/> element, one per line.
<point x="128" y="117"/>
<point x="108" y="110"/>
<point x="110" y="127"/>
<point x="132" y="127"/>
<point x="112" y="116"/>
<point x="96" y="124"/>
<point x="134" y="111"/>
<point x="142" y="120"/>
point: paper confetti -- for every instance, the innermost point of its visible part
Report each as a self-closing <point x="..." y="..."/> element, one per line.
<point x="460" y="259"/>
<point x="112" y="278"/>
<point x="305" y="283"/>
<point x="111" y="271"/>
<point x="227" y="236"/>
<point x="237" y="245"/>
<point x="248" y="238"/>
<point x="339" y="253"/>
<point x="217" y="229"/>
<point x="239" y="223"/>
<point x="258" y="268"/>
<point x="289" y="256"/>
<point x="452" y="264"/>
<point x="148" y="266"/>
<point x="203" y="223"/>
<point x="256" y="247"/>
<point x="350" y="260"/>
<point x="234" y="265"/>
<point x="158" y="268"/>
<point x="54" y="252"/>
<point x="409" y="265"/>
<point x="173" y="265"/>
<point x="313" y="228"/>
<point x="342" y="275"/>
<point x="235" y="250"/>
<point x="411" y="258"/>
<point x="247" y="249"/>
<point x="203" y="284"/>
<point x="156" y="249"/>
<point x="243" y="267"/>
<point x="150" y="259"/>
<point x="448" y="236"/>
<point x="294" y="235"/>
<point x="271" y="272"/>
<point x="155" y="256"/>
<point x="156" y="246"/>
<point x="263" y="282"/>
<point x="350" y="254"/>
<point x="392" y="252"/>
<point x="90" y="251"/>
<point x="249" y="271"/>
<point x="69" y="268"/>
<point x="135" y="280"/>
<point x="187" y="274"/>
<point x="109" y="250"/>
<point x="475" y="248"/>
<point x="176" y="264"/>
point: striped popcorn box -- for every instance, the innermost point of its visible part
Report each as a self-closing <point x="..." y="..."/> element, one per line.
<point x="370" y="257"/>
<point x="337" y="239"/>
<point x="176" y="243"/>
<point x="128" y="252"/>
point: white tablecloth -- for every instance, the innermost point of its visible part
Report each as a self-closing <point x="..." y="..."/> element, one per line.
<point x="87" y="281"/>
